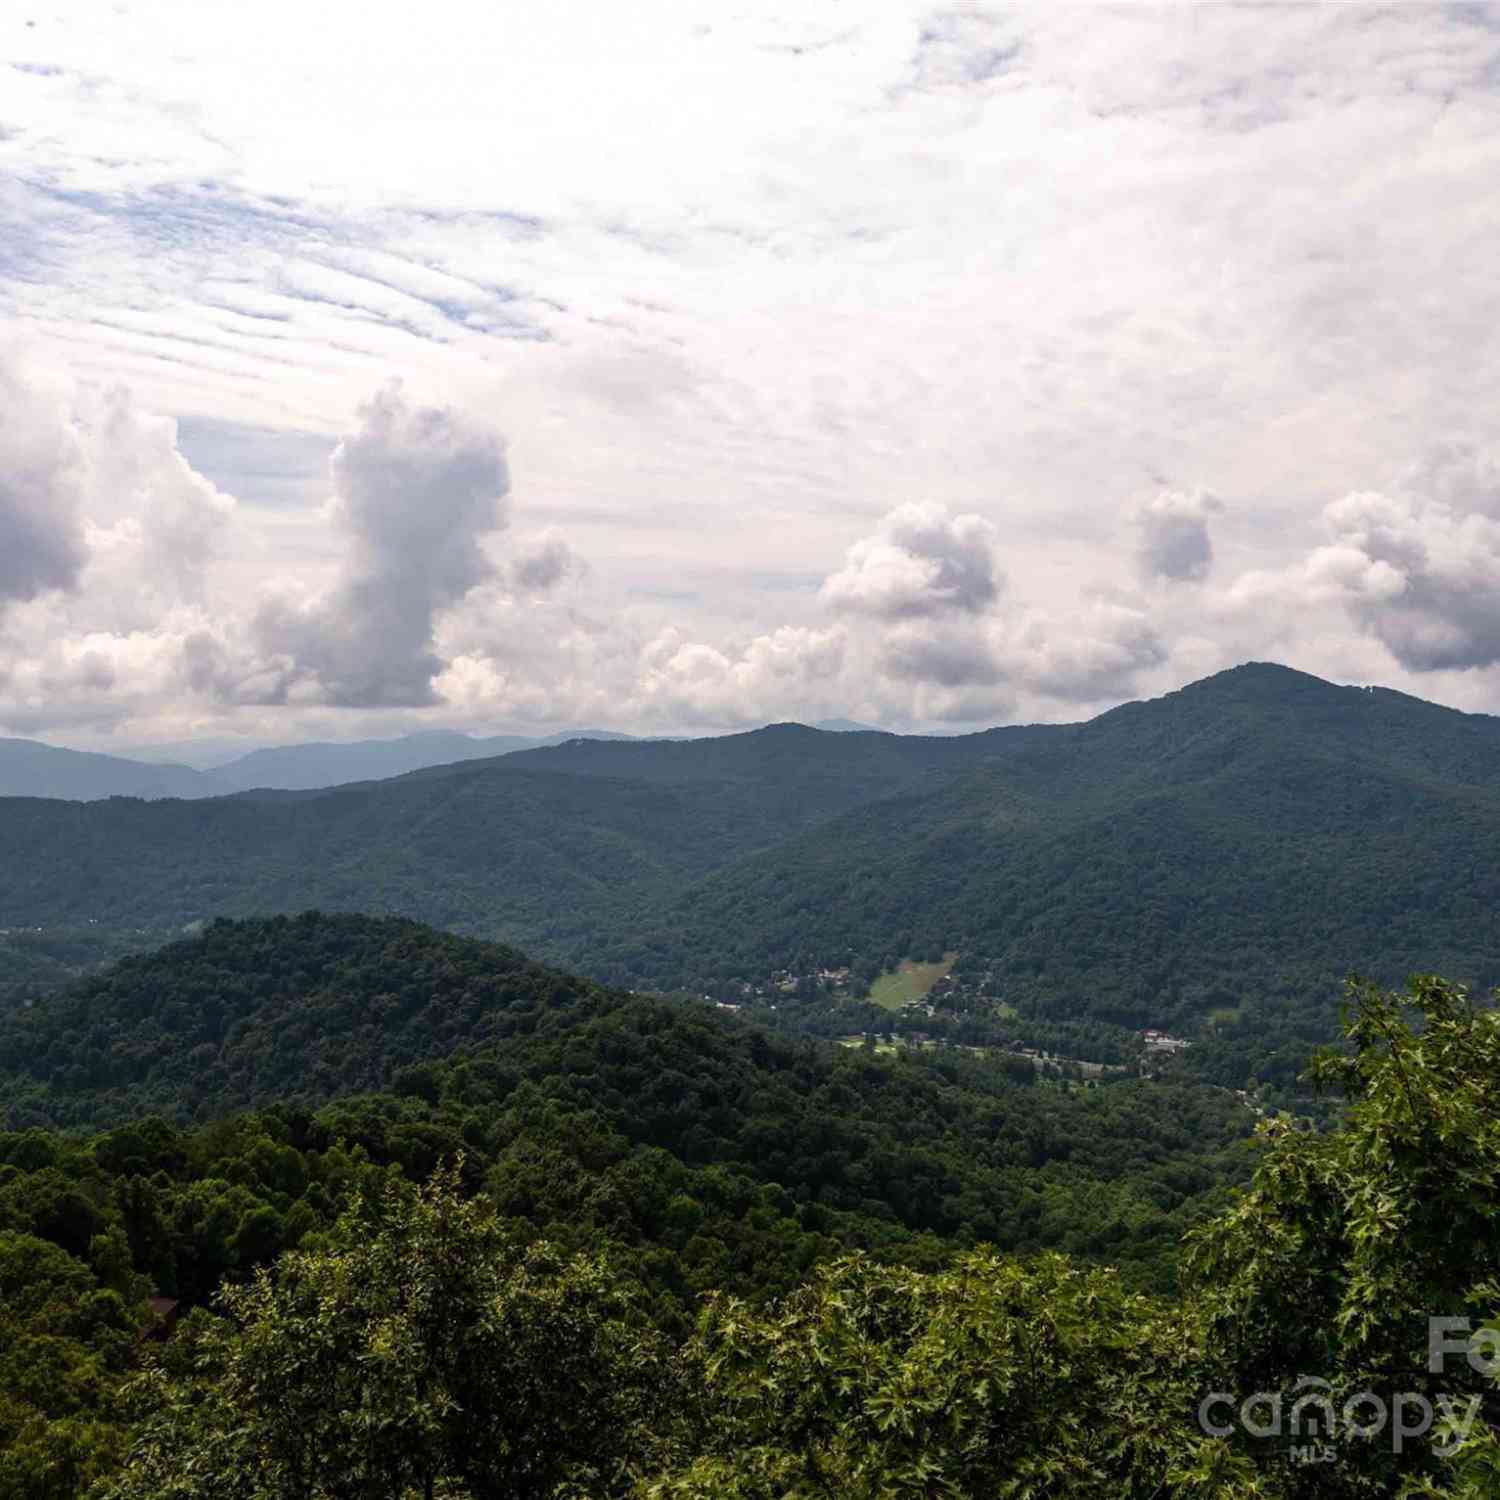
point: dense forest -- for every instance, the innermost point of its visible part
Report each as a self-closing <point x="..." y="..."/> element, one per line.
<point x="583" y="1242"/>
<point x="451" y="1044"/>
<point x="1212" y="863"/>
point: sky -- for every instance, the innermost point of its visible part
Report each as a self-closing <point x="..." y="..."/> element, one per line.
<point x="675" y="368"/>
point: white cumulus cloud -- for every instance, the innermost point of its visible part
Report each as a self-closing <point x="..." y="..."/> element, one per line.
<point x="42" y="484"/>
<point x="921" y="562"/>
<point x="417" y="490"/>
<point x="1422" y="578"/>
<point x="1172" y="540"/>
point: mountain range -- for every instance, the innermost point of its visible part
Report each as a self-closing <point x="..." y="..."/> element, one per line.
<point x="29" y="768"/>
<point x="1213" y="861"/>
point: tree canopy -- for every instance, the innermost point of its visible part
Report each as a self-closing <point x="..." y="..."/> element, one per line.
<point x="425" y="1338"/>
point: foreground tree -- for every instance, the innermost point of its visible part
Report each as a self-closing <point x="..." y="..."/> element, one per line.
<point x="1326" y="1277"/>
<point x="421" y="1352"/>
<point x="992" y="1378"/>
<point x="64" y="1343"/>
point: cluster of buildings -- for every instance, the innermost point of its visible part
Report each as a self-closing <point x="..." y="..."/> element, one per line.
<point x="1158" y="1043"/>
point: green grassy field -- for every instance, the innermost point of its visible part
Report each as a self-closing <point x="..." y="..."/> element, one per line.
<point x="910" y="982"/>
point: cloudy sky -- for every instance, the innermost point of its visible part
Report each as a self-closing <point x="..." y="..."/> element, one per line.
<point x="673" y="366"/>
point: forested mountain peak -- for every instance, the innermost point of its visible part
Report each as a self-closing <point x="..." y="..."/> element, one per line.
<point x="1271" y="711"/>
<point x="1212" y="862"/>
<point x="1259" y="677"/>
<point x="293" y="1013"/>
<point x="1270" y="685"/>
<point x="28" y="768"/>
<point x="245" y="1012"/>
<point x="1226" y="695"/>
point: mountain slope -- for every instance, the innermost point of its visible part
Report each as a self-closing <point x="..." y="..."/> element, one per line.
<point x="549" y="848"/>
<point x="486" y="848"/>
<point x="29" y="768"/>
<point x="302" y="1008"/>
<point x="825" y="770"/>
<point x="315" y="765"/>
<point x="1247" y="841"/>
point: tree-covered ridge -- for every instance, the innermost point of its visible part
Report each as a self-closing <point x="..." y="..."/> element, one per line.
<point x="528" y="853"/>
<point x="31" y="769"/>
<point x="480" y="847"/>
<point x="805" y="770"/>
<point x="550" y="841"/>
<point x="1230" y="851"/>
<point x="1202" y="877"/>
<point x="286" y="1008"/>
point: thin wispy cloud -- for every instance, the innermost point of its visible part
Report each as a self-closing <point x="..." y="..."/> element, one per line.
<point x="1189" y="310"/>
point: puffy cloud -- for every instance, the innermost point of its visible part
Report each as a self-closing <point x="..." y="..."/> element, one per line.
<point x="948" y="654"/>
<point x="920" y="591"/>
<point x="156" y="529"/>
<point x="922" y="600"/>
<point x="793" y="655"/>
<point x="106" y="536"/>
<point x="414" y="613"/>
<point x="981" y="311"/>
<point x="417" y="489"/>
<point x="172" y="516"/>
<point x="921" y="562"/>
<point x="1095" y="654"/>
<point x="42" y="482"/>
<point x="967" y="704"/>
<point x="216" y="663"/>
<point x="786" y="671"/>
<point x="1420" y="577"/>
<point x="97" y="500"/>
<point x="90" y="678"/>
<point x="1416" y="575"/>
<point x="1172" y="540"/>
